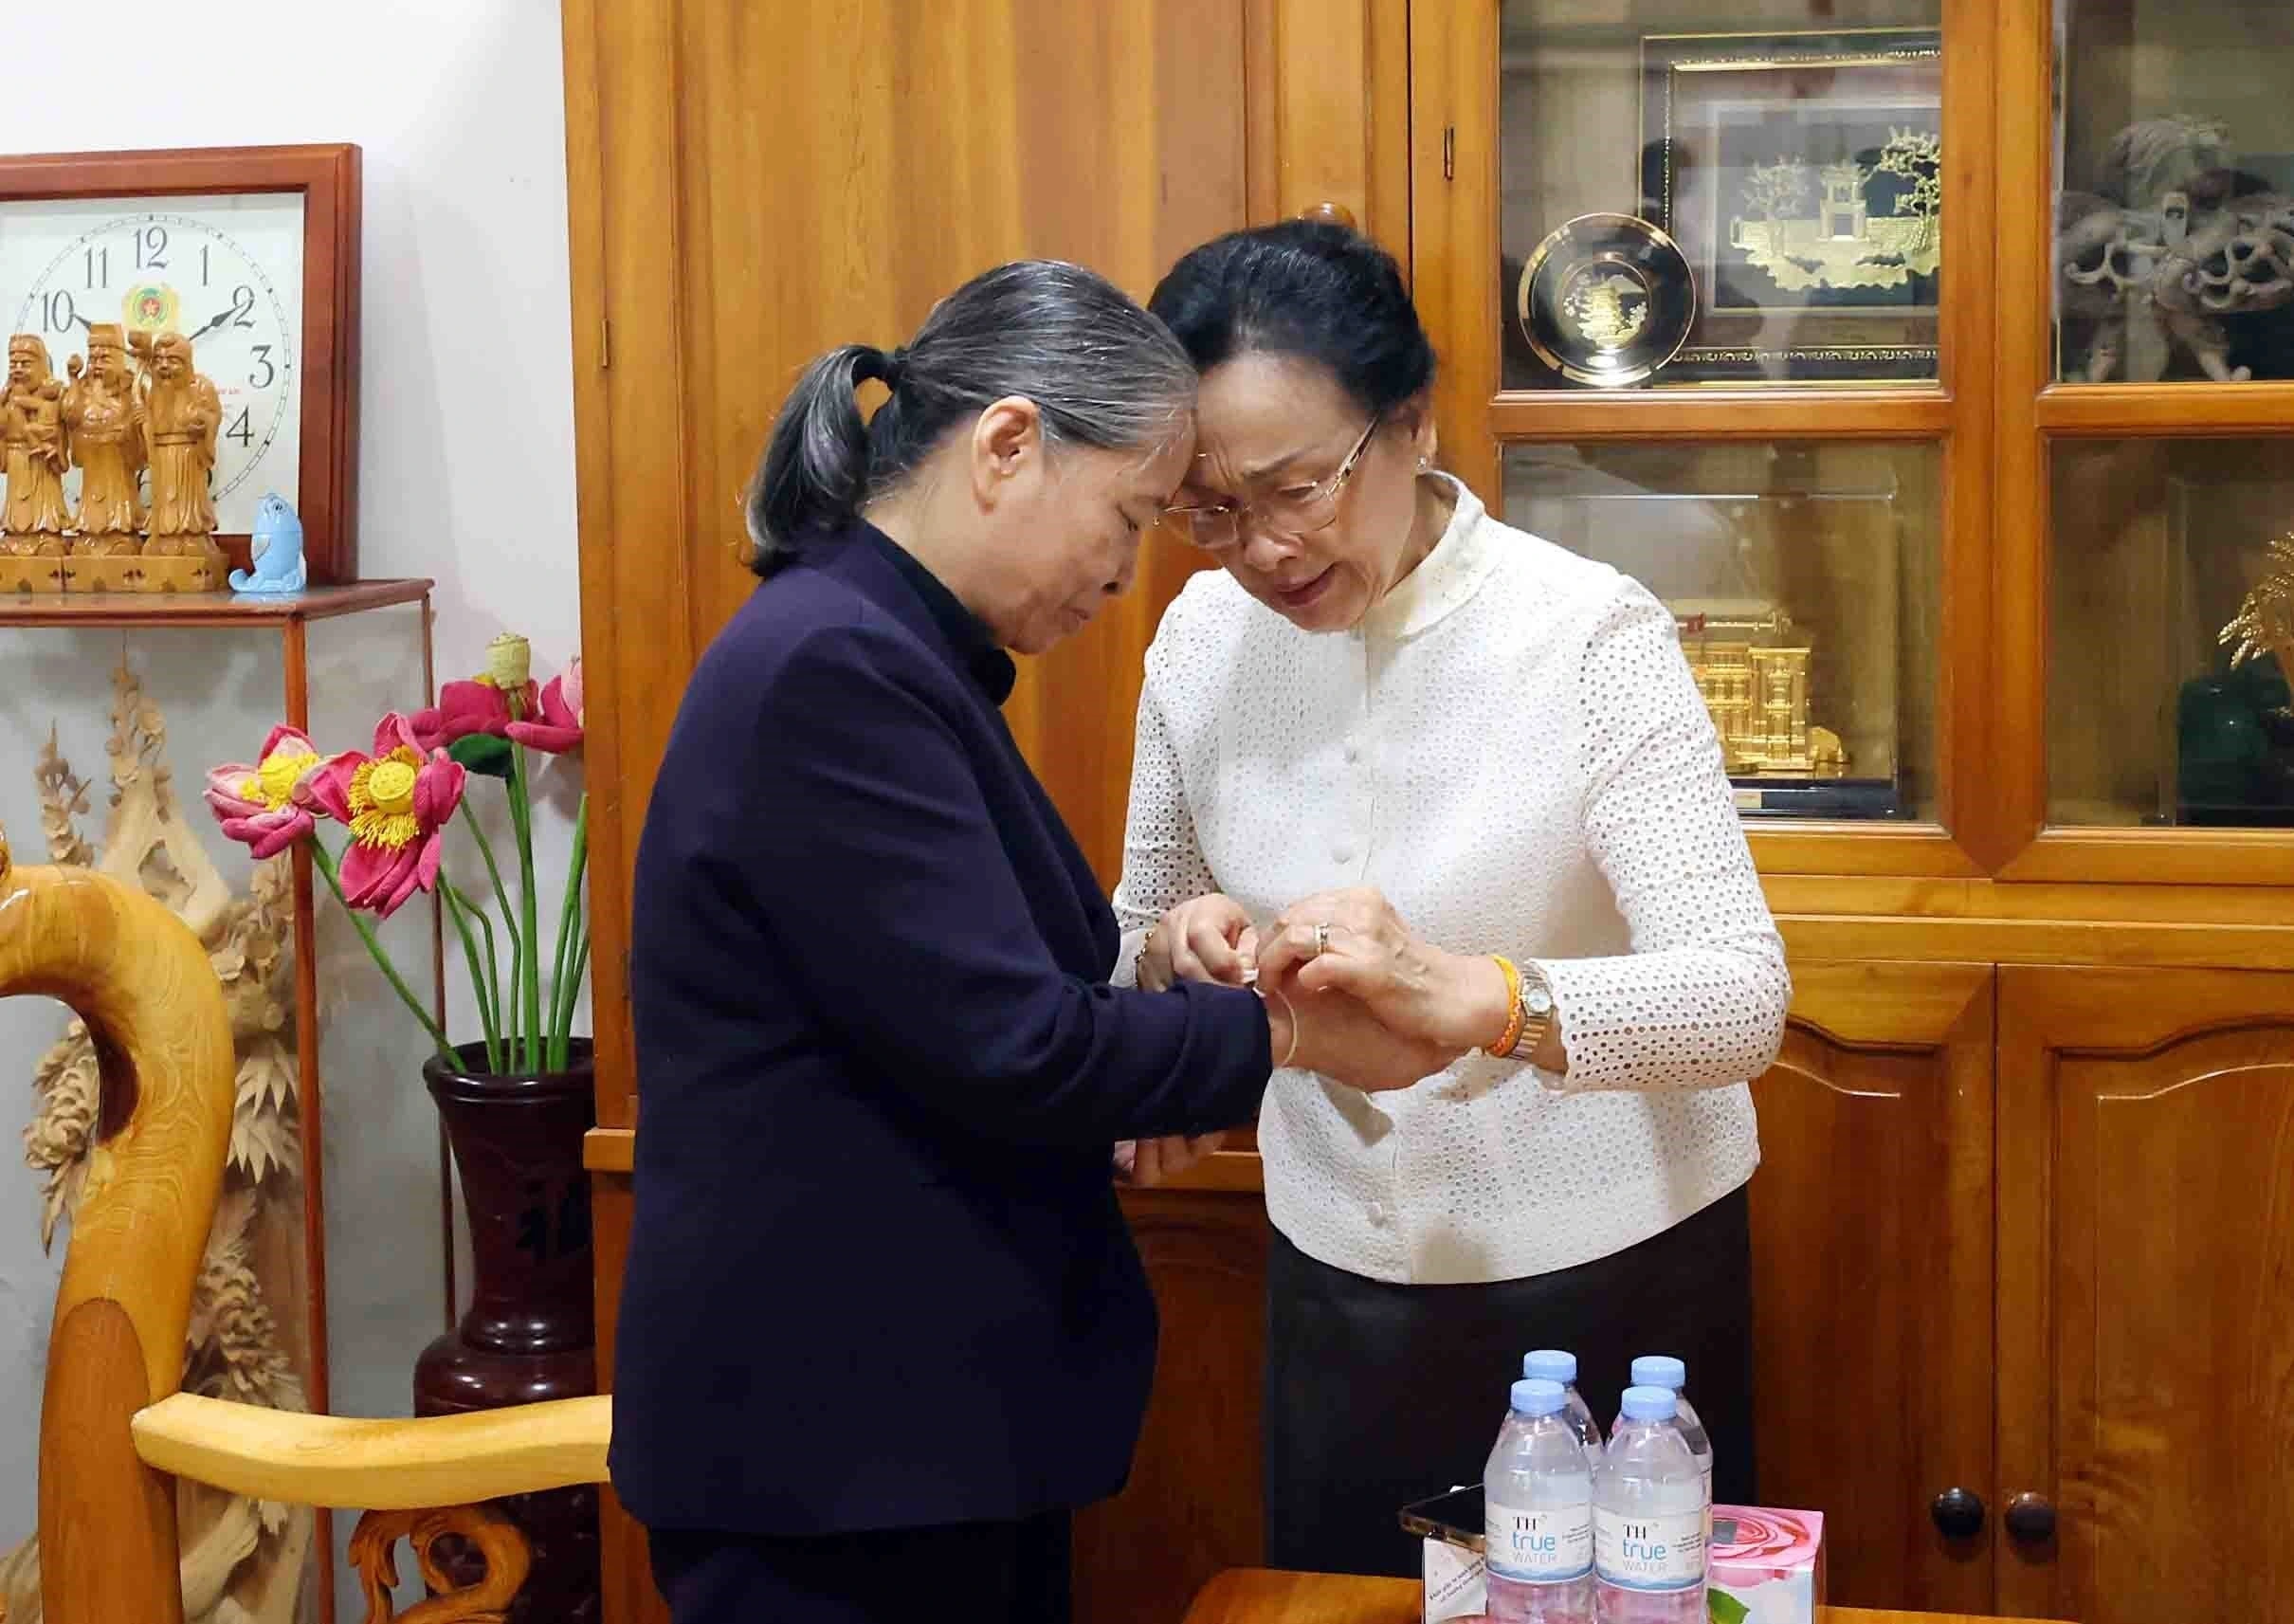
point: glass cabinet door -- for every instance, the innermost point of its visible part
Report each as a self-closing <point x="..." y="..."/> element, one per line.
<point x="2172" y="620"/>
<point x="1803" y="577"/>
<point x="1740" y="193"/>
<point x="2174" y="192"/>
<point x="1712" y="353"/>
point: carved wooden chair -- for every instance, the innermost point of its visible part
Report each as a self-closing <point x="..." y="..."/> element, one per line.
<point x="114" y="1429"/>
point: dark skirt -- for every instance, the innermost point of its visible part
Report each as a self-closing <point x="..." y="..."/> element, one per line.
<point x="996" y="1572"/>
<point x="1380" y="1394"/>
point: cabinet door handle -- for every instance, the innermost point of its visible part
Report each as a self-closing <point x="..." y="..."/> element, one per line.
<point x="1958" y="1513"/>
<point x="2031" y="1519"/>
<point x="1329" y="215"/>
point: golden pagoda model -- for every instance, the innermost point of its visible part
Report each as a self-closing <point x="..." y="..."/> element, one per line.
<point x="1750" y="664"/>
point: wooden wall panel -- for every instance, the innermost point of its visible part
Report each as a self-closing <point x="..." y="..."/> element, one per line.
<point x="751" y="184"/>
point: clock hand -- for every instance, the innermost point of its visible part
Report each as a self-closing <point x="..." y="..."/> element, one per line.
<point x="212" y="325"/>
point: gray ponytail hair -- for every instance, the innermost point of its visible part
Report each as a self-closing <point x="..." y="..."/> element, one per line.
<point x="1103" y="371"/>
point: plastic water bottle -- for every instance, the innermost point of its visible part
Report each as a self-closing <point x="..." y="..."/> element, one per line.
<point x="1651" y="1516"/>
<point x="1662" y="1370"/>
<point x="1538" y="1492"/>
<point x="1552" y="1365"/>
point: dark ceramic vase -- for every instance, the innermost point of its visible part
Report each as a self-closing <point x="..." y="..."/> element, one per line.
<point x="530" y="1334"/>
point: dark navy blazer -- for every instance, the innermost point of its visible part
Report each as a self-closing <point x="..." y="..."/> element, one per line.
<point x="878" y="1276"/>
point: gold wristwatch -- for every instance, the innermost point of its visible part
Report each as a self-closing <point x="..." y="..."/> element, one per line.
<point x="1536" y="1007"/>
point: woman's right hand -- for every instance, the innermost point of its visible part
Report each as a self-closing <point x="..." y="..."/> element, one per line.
<point x="1339" y="1038"/>
<point x="1198" y="940"/>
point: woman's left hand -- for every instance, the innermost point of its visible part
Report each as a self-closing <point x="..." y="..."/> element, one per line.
<point x="1354" y="942"/>
<point x="1144" y="1163"/>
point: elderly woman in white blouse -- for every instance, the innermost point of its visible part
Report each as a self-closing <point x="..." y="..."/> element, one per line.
<point x="1399" y="748"/>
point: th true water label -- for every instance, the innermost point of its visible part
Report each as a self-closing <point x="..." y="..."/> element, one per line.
<point x="1646" y="1551"/>
<point x="1543" y="1545"/>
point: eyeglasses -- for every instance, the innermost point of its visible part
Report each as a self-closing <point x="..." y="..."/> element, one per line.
<point x="1217" y="526"/>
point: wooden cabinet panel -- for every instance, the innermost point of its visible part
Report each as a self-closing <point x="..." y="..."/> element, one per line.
<point x="2146" y="1236"/>
<point x="1195" y="1503"/>
<point x="750" y="185"/>
<point x="1872" y="1272"/>
<point x="629" y="1597"/>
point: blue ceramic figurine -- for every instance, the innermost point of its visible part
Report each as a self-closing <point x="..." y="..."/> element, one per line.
<point x="277" y="549"/>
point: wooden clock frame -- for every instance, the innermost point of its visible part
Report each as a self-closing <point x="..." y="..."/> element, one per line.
<point x="327" y="175"/>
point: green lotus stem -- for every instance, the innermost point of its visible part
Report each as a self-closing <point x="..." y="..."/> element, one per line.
<point x="569" y="910"/>
<point x="522" y="815"/>
<point x="493" y="987"/>
<point x="509" y="915"/>
<point x="323" y="861"/>
<point x="461" y="910"/>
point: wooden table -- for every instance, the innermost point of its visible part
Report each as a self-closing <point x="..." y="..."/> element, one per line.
<point x="1260" y="1595"/>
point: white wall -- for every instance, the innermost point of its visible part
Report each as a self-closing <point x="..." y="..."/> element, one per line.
<point x="465" y="414"/>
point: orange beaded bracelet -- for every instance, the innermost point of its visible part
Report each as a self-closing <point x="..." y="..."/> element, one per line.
<point x="1515" y="1016"/>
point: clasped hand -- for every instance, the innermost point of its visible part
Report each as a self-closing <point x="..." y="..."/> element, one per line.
<point x="1373" y="1007"/>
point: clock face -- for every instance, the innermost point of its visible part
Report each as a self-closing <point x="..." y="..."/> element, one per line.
<point x="226" y="272"/>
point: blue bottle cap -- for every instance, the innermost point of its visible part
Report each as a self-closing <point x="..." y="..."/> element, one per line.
<point x="1651" y="1404"/>
<point x="1660" y="1370"/>
<point x="1536" y="1396"/>
<point x="1550" y="1364"/>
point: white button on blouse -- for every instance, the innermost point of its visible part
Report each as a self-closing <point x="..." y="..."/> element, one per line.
<point x="1545" y="783"/>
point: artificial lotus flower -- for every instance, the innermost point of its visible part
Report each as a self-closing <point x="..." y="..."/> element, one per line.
<point x="257" y="804"/>
<point x="467" y="708"/>
<point x="557" y="727"/>
<point x="396" y="804"/>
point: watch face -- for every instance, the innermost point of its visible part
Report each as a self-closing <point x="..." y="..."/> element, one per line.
<point x="1537" y="999"/>
<point x="224" y="272"/>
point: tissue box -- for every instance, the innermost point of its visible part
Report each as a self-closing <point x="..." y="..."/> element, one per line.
<point x="1457" y="1582"/>
<point x="1764" y="1565"/>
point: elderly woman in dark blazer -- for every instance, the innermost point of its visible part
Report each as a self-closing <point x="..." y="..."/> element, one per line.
<point x="883" y="1324"/>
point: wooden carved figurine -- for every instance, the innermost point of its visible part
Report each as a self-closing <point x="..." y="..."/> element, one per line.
<point x="31" y="440"/>
<point x="104" y="425"/>
<point x="181" y="416"/>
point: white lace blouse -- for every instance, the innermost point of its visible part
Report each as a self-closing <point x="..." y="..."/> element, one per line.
<point x="1509" y="747"/>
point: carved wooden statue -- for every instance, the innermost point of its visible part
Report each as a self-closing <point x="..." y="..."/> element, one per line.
<point x="31" y="440"/>
<point x="115" y="1433"/>
<point x="104" y="423"/>
<point x="181" y="416"/>
<point x="242" y="1561"/>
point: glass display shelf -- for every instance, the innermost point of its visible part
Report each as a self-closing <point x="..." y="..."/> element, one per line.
<point x="2160" y="549"/>
<point x="2173" y="253"/>
<point x="335" y="1211"/>
<point x="1694" y="195"/>
<point x="1805" y="578"/>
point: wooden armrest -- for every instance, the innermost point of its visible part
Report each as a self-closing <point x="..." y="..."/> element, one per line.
<point x="377" y="1465"/>
<point x="1263" y="1595"/>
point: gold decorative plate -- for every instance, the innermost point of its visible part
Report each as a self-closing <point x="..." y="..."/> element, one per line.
<point x="1607" y="299"/>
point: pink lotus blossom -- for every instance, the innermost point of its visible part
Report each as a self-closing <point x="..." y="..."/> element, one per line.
<point x="465" y="708"/>
<point x="558" y="728"/>
<point x="396" y="804"/>
<point x="258" y="804"/>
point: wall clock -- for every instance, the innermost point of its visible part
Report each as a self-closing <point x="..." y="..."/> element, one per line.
<point x="251" y="253"/>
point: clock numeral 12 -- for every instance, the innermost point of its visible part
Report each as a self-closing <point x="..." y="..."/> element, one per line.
<point x="239" y="430"/>
<point x="151" y="243"/>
